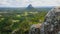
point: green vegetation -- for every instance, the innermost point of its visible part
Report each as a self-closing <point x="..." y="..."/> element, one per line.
<point x="19" y="23"/>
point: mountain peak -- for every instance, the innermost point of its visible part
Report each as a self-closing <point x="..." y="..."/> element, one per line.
<point x="30" y="6"/>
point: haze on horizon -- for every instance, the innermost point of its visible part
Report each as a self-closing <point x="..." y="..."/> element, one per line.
<point x="25" y="3"/>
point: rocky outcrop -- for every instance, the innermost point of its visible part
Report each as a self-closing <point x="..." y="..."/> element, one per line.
<point x="35" y="29"/>
<point x="51" y="23"/>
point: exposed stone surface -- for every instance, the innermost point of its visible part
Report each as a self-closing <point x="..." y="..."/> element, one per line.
<point x="35" y="29"/>
<point x="51" y="24"/>
<point x="52" y="21"/>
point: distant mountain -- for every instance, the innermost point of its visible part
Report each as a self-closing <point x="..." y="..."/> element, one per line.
<point x="34" y="9"/>
<point x="30" y="7"/>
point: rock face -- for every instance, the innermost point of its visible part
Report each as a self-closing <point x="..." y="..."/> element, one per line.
<point x="51" y="24"/>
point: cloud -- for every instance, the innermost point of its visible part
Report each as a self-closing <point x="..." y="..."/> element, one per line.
<point x="13" y="3"/>
<point x="46" y="2"/>
<point x="24" y="3"/>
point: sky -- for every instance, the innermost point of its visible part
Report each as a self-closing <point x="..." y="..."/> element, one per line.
<point x="25" y="3"/>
